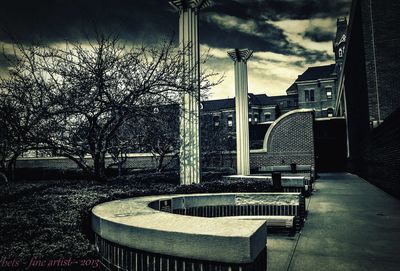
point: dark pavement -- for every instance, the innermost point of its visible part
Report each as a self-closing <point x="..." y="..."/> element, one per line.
<point x="351" y="225"/>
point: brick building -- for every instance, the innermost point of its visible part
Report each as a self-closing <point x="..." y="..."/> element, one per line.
<point x="369" y="95"/>
<point x="218" y="120"/>
<point x="316" y="88"/>
<point x="262" y="108"/>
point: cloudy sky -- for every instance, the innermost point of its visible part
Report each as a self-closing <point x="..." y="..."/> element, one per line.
<point x="287" y="36"/>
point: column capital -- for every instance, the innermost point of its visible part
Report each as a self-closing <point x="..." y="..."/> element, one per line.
<point x="184" y="4"/>
<point x="238" y="55"/>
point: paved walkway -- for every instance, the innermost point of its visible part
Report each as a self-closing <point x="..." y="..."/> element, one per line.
<point x="351" y="225"/>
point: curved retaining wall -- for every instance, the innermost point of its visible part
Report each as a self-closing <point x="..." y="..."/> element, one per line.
<point x="139" y="224"/>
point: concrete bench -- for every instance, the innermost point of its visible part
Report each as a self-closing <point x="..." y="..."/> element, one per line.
<point x="151" y="224"/>
<point x="307" y="171"/>
<point x="287" y="168"/>
<point x="290" y="183"/>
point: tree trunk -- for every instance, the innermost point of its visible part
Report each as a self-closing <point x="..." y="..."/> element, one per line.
<point x="99" y="167"/>
<point x="10" y="171"/>
<point x="3" y="178"/>
<point x="119" y="168"/>
<point x="3" y="172"/>
<point x="160" y="162"/>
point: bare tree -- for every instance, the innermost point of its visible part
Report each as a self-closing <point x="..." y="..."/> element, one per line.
<point x="22" y="118"/>
<point x="86" y="91"/>
<point x="216" y="141"/>
<point x="160" y="134"/>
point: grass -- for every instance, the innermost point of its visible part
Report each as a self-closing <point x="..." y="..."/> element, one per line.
<point x="51" y="219"/>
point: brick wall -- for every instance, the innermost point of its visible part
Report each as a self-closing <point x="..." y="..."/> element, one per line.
<point x="381" y="38"/>
<point x="379" y="161"/>
<point x="135" y="161"/>
<point x="291" y="140"/>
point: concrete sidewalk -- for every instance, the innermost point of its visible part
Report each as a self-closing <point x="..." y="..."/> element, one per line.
<point x="351" y="225"/>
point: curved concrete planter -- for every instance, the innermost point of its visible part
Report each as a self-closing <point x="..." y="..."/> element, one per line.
<point x="138" y="223"/>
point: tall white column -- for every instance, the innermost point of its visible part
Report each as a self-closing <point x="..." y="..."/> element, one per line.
<point x="190" y="101"/>
<point x="240" y="58"/>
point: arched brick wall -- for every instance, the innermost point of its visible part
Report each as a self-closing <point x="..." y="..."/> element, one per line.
<point x="290" y="139"/>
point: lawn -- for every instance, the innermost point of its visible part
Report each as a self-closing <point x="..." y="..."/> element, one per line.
<point x="50" y="220"/>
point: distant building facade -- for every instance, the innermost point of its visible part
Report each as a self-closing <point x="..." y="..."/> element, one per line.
<point x="317" y="87"/>
<point x="262" y="108"/>
<point x="219" y="119"/>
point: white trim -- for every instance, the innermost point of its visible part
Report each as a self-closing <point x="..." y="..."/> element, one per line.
<point x="305" y="82"/>
<point x="330" y="118"/>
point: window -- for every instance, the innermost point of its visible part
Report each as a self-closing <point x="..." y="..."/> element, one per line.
<point x="309" y="95"/>
<point x="267" y="116"/>
<point x="328" y="93"/>
<point x="230" y="121"/>
<point x="216" y="121"/>
<point x="330" y="112"/>
<point x="312" y="95"/>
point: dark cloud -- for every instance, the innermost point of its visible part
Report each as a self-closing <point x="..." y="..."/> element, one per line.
<point x="141" y="19"/>
<point x="136" y="20"/>
<point x="282" y="9"/>
<point x="310" y="56"/>
<point x="272" y="39"/>
<point x="5" y="60"/>
<point x="318" y="34"/>
<point x="61" y="19"/>
<point x="148" y="20"/>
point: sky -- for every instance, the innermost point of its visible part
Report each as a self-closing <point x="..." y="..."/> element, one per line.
<point x="287" y="36"/>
